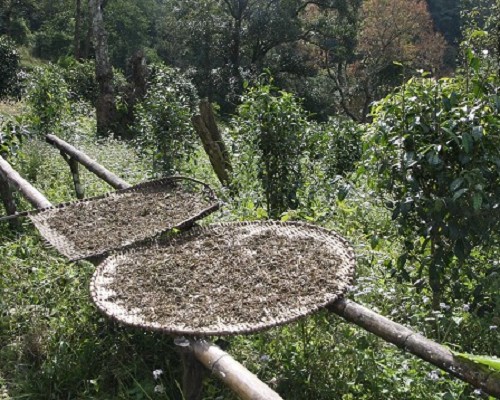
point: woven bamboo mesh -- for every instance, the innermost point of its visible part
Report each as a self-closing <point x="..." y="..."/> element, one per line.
<point x="97" y="225"/>
<point x="225" y="278"/>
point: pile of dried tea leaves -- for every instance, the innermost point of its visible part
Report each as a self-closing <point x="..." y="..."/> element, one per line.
<point x="95" y="226"/>
<point x="225" y="278"/>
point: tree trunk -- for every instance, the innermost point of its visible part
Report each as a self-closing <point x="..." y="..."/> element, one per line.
<point x="105" y="108"/>
<point x="209" y="133"/>
<point x="78" y="31"/>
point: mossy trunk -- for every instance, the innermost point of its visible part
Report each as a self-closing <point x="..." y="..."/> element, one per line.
<point x="106" y="107"/>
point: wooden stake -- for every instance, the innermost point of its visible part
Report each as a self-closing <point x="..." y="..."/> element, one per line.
<point x="477" y="375"/>
<point x="37" y="199"/>
<point x="193" y="376"/>
<point x="87" y="162"/>
<point x="75" y="173"/>
<point x="8" y="201"/>
<point x="208" y="131"/>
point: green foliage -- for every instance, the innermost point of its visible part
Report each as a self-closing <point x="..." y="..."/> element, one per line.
<point x="337" y="143"/>
<point x="129" y="25"/>
<point x="11" y="135"/>
<point x="271" y="125"/>
<point x="47" y="99"/>
<point x="80" y="78"/>
<point x="55" y="37"/>
<point x="435" y="147"/>
<point x="9" y="68"/>
<point x="163" y="120"/>
<point x="492" y="362"/>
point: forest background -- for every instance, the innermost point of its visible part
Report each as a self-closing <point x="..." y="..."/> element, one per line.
<point x="376" y="118"/>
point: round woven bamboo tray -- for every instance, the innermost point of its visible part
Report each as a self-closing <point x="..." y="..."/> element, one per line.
<point x="97" y="225"/>
<point x="225" y="279"/>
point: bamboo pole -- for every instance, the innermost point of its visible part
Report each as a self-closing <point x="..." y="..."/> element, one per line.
<point x="234" y="375"/>
<point x="476" y="374"/>
<point x="37" y="199"/>
<point x="87" y="162"/>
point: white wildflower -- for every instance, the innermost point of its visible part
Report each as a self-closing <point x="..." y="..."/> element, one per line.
<point x="433" y="375"/>
<point x="159" y="389"/>
<point x="157" y="373"/>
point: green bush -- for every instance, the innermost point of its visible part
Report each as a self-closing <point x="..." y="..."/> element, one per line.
<point x="270" y="128"/>
<point x="47" y="99"/>
<point x="12" y="133"/>
<point x="9" y="68"/>
<point x="55" y="37"/>
<point x="80" y="78"/>
<point x="435" y="146"/>
<point x="162" y="126"/>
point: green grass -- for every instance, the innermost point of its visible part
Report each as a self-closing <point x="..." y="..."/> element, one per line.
<point x="10" y="108"/>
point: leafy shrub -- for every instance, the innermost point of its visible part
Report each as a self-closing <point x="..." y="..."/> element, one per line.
<point x="47" y="99"/>
<point x="55" y="36"/>
<point x="11" y="134"/>
<point x="80" y="78"/>
<point x="435" y="147"/>
<point x="270" y="129"/>
<point x="163" y="119"/>
<point x="9" y="68"/>
<point x="337" y="144"/>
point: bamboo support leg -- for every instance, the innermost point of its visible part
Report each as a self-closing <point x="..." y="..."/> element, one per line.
<point x="8" y="201"/>
<point x="193" y="376"/>
<point x="75" y="173"/>
<point x="234" y="375"/>
<point x="93" y="166"/>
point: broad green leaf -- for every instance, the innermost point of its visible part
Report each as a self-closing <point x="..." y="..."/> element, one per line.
<point x="467" y="142"/>
<point x="456" y="184"/>
<point x="477" y="201"/>
<point x="492" y="362"/>
<point x="433" y="158"/>
<point x="459" y="193"/>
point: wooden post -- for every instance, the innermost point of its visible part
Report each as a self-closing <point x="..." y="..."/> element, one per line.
<point x="477" y="375"/>
<point x="87" y="162"/>
<point x="37" y="199"/>
<point x="75" y="173"/>
<point x="193" y="375"/>
<point x="206" y="127"/>
<point x="234" y="375"/>
<point x="8" y="201"/>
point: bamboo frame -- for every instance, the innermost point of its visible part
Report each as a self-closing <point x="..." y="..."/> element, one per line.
<point x="87" y="162"/>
